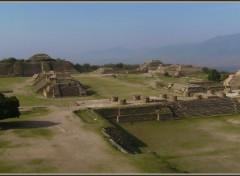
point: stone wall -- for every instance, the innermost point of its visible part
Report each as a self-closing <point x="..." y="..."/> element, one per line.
<point x="69" y="91"/>
<point x="136" y="113"/>
<point x="179" y="109"/>
<point x="40" y="85"/>
<point x="178" y="69"/>
<point x="4" y="69"/>
<point x="29" y="69"/>
<point x="207" y="83"/>
<point x="206" y="107"/>
<point x="216" y="88"/>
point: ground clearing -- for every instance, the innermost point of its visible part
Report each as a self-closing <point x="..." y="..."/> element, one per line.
<point x="58" y="142"/>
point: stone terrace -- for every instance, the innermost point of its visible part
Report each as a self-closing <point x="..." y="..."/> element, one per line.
<point x="206" y="107"/>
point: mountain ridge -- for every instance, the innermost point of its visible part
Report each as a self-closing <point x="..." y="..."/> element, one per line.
<point x="218" y="52"/>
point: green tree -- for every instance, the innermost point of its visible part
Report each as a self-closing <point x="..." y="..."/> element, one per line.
<point x="9" y="107"/>
<point x="86" y="67"/>
<point x="205" y="70"/>
<point x="119" y="65"/>
<point x="214" y="75"/>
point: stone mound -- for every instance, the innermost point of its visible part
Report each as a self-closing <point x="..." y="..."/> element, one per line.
<point x="40" y="57"/>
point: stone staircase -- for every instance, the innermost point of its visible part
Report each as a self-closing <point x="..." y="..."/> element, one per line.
<point x="206" y="107"/>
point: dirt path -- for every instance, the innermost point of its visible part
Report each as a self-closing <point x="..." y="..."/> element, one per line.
<point x="21" y="88"/>
<point x="73" y="148"/>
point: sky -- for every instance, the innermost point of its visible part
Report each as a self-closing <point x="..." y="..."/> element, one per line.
<point x="67" y="29"/>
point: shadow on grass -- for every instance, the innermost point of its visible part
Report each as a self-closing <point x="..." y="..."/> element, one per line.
<point x="136" y="141"/>
<point x="89" y="90"/>
<point x="25" y="124"/>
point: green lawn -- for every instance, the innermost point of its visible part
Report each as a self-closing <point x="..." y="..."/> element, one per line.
<point x="99" y="86"/>
<point x="8" y="83"/>
<point x="146" y="162"/>
<point x="23" y="127"/>
<point x="122" y="86"/>
<point x="201" y="145"/>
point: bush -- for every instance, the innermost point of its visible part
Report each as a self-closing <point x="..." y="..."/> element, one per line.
<point x="8" y="107"/>
<point x="205" y="70"/>
<point x="214" y="75"/>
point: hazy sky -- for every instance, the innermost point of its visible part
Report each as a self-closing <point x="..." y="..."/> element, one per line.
<point x="67" y="29"/>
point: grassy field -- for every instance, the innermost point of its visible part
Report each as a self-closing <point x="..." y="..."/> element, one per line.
<point x="23" y="128"/>
<point x="194" y="145"/>
<point x="99" y="86"/>
<point x="201" y="145"/>
<point x="124" y="86"/>
<point x="9" y="83"/>
<point x="146" y="162"/>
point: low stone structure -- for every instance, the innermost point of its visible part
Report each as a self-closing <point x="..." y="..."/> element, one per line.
<point x="137" y="97"/>
<point x="183" y="88"/>
<point x="105" y="70"/>
<point x="201" y="105"/>
<point x="57" y="85"/>
<point x="206" y="107"/>
<point x="178" y="70"/>
<point x="114" y="99"/>
<point x="233" y="81"/>
<point x="122" y="101"/>
<point x="189" y="90"/>
<point x="136" y="113"/>
<point x="149" y="65"/>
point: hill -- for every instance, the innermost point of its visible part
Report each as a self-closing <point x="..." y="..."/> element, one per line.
<point x="221" y="52"/>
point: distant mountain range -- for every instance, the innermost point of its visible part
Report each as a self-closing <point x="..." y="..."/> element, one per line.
<point x="221" y="52"/>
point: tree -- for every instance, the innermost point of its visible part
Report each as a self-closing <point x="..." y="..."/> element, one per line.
<point x="166" y="74"/>
<point x="86" y="67"/>
<point x="119" y="65"/>
<point x="205" y="70"/>
<point x="214" y="75"/>
<point x="8" y="107"/>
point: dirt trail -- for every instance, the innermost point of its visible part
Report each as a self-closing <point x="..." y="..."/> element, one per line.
<point x="73" y="148"/>
<point x="21" y="88"/>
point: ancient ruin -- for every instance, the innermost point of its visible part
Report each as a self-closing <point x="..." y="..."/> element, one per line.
<point x="136" y="113"/>
<point x="206" y="107"/>
<point x="233" y="81"/>
<point x="176" y="70"/>
<point x="185" y="88"/>
<point x="170" y="108"/>
<point x="105" y="70"/>
<point x="189" y="89"/>
<point x="149" y="65"/>
<point x="55" y="85"/>
<point x="37" y="63"/>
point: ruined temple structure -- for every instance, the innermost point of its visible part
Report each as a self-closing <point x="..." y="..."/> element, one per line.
<point x="149" y="65"/>
<point x="55" y="85"/>
<point x="105" y="70"/>
<point x="136" y="113"/>
<point x="233" y="81"/>
<point x="185" y="88"/>
<point x="200" y="106"/>
<point x="205" y="107"/>
<point x="176" y="70"/>
<point x="36" y="64"/>
<point x="189" y="89"/>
